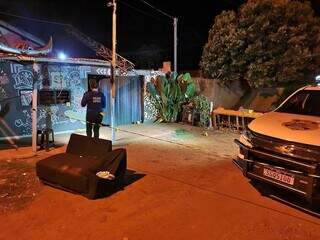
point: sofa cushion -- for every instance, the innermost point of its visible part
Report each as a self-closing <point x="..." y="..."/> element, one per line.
<point x="69" y="170"/>
<point x="86" y="146"/>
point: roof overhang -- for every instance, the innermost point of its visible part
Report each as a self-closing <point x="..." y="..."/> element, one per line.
<point x="22" y="33"/>
<point x="81" y="61"/>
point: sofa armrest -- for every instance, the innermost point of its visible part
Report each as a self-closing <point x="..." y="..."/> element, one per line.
<point x="98" y="187"/>
<point x="93" y="181"/>
<point x="114" y="160"/>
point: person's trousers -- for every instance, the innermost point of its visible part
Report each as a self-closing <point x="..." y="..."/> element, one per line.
<point x="94" y="120"/>
<point x="95" y="127"/>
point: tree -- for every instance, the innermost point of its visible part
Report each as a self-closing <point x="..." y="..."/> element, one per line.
<point x="266" y="43"/>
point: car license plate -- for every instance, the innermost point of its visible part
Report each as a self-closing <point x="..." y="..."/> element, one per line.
<point x="278" y="175"/>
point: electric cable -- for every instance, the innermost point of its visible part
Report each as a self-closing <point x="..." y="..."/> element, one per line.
<point x="33" y="19"/>
<point x="140" y="11"/>
<point x="157" y="9"/>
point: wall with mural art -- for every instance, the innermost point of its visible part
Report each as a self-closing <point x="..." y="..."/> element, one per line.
<point x="16" y="84"/>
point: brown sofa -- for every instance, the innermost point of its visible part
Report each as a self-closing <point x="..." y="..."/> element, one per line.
<point x="75" y="170"/>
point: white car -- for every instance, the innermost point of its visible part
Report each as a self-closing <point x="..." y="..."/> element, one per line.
<point x="282" y="147"/>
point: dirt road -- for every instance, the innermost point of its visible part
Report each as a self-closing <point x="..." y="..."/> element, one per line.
<point x="189" y="190"/>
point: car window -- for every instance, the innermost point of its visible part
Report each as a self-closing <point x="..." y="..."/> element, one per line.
<point x="304" y="102"/>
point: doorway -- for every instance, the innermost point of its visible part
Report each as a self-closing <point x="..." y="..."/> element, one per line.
<point x="101" y="79"/>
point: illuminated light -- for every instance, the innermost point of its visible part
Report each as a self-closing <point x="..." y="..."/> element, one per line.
<point x="318" y="80"/>
<point x="62" y="56"/>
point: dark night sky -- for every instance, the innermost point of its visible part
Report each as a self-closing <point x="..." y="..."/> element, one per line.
<point x="138" y="24"/>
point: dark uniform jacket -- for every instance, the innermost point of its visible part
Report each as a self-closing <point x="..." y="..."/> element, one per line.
<point x="95" y="102"/>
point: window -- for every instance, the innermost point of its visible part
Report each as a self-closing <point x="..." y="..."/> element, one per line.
<point x="62" y="96"/>
<point x="46" y="97"/>
<point x="304" y="102"/>
<point x="51" y="97"/>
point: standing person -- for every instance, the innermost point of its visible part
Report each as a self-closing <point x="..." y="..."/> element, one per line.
<point x="95" y="102"/>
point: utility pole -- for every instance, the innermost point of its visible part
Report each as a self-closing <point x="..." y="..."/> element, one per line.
<point x="175" y="25"/>
<point x="34" y="118"/>
<point x="113" y="68"/>
<point x="34" y="107"/>
<point x="175" y="39"/>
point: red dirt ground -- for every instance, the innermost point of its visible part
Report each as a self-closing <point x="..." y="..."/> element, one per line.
<point x="183" y="193"/>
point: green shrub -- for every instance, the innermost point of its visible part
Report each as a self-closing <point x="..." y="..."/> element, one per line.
<point x="202" y="107"/>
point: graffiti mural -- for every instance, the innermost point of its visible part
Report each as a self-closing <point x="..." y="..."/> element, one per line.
<point x="16" y="84"/>
<point x="150" y="111"/>
<point x="3" y="94"/>
<point x="23" y="77"/>
<point x="3" y="81"/>
<point x="56" y="75"/>
<point x="24" y="123"/>
<point x="26" y="97"/>
<point x="3" y="77"/>
<point x="17" y="81"/>
<point x="75" y="79"/>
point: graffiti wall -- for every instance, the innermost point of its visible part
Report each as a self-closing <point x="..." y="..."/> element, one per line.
<point x="14" y="78"/>
<point x="16" y="84"/>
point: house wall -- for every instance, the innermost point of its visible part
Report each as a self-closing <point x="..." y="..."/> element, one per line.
<point x="260" y="100"/>
<point x="15" y="109"/>
<point x="220" y="96"/>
